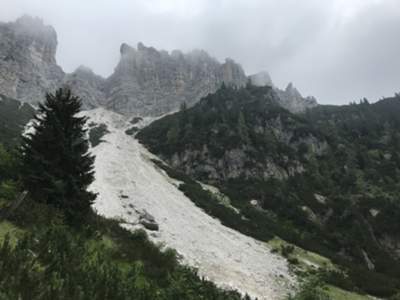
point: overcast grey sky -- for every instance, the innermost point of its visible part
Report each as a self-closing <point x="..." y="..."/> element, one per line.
<point x="336" y="50"/>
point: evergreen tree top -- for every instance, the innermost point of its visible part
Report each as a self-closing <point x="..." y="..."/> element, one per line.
<point x="58" y="166"/>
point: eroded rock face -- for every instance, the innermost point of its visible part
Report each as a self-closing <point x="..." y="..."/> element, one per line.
<point x="28" y="67"/>
<point x="293" y="101"/>
<point x="237" y="163"/>
<point x="290" y="98"/>
<point x="88" y="86"/>
<point x="146" y="82"/>
<point x="151" y="82"/>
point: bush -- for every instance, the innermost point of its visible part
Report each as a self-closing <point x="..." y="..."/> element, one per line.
<point x="96" y="134"/>
<point x="58" y="262"/>
<point x="312" y="288"/>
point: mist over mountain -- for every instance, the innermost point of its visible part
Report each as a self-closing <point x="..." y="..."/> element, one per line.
<point x="146" y="81"/>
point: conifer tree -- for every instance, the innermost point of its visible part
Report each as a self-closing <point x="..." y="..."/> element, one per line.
<point x="242" y="128"/>
<point x="57" y="166"/>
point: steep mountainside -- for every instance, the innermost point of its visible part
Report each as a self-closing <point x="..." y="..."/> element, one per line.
<point x="292" y="100"/>
<point x="326" y="180"/>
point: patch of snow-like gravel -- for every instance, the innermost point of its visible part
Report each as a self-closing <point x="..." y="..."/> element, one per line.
<point x="128" y="183"/>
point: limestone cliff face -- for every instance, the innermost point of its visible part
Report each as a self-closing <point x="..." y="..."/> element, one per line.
<point x="151" y="82"/>
<point x="28" y="67"/>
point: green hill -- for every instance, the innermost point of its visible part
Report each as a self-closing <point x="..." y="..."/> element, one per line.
<point x="326" y="180"/>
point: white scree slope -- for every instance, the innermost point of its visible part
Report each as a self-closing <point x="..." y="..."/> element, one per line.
<point x="127" y="182"/>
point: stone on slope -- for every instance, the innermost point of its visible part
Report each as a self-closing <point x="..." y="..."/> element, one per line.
<point x="261" y="79"/>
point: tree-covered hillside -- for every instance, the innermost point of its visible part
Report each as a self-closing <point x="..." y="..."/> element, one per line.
<point x="14" y="115"/>
<point x="235" y="133"/>
<point x="327" y="180"/>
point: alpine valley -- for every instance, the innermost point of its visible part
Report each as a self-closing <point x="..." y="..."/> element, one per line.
<point x="260" y="192"/>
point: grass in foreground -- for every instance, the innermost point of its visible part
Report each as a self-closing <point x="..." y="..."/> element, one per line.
<point x="42" y="258"/>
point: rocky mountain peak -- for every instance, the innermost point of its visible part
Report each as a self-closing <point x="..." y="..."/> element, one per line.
<point x="41" y="39"/>
<point x="125" y="49"/>
<point x="291" y="90"/>
<point x="29" y="21"/>
<point x="261" y="79"/>
<point x="148" y="81"/>
<point x="28" y="66"/>
<point x="292" y="100"/>
<point x="87" y="85"/>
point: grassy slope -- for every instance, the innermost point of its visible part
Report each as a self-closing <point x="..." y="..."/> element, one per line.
<point x="138" y="265"/>
<point x="340" y="294"/>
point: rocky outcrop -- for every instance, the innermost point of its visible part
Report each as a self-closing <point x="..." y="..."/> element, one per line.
<point x="88" y="86"/>
<point x="290" y="98"/>
<point x="261" y="79"/>
<point x="148" y="221"/>
<point x="238" y="134"/>
<point x="28" y="67"/>
<point x="151" y="82"/>
<point x="293" y="101"/>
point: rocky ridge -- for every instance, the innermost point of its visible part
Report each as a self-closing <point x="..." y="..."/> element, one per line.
<point x="151" y="82"/>
<point x="89" y="86"/>
<point x="146" y="81"/>
<point x="290" y="98"/>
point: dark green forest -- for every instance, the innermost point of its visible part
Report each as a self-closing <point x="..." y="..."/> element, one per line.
<point x="333" y="181"/>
